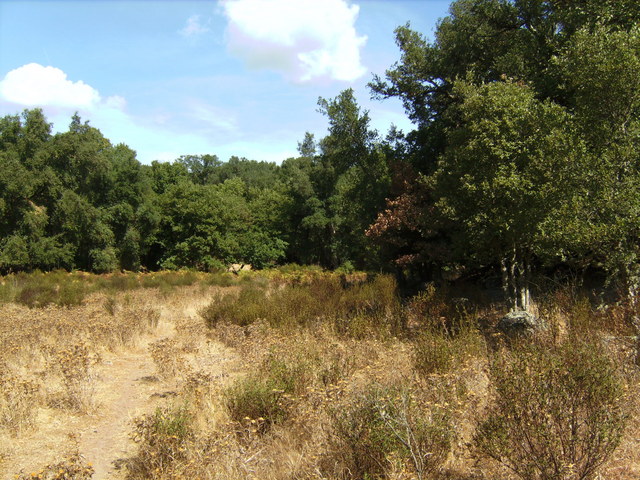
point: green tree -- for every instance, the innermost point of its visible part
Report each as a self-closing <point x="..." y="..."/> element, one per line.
<point x="201" y="168"/>
<point x="80" y="158"/>
<point x="165" y="174"/>
<point x="601" y="71"/>
<point x="580" y="57"/>
<point x="507" y="171"/>
<point x="206" y="226"/>
<point x="337" y="193"/>
<point x="84" y="229"/>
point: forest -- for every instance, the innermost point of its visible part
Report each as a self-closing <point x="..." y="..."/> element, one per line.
<point x="523" y="159"/>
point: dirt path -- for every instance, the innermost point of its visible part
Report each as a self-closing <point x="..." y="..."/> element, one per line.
<point x="126" y="391"/>
<point x="126" y="386"/>
<point x="130" y="388"/>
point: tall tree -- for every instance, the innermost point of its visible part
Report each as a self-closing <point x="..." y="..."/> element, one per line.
<point x="601" y="71"/>
<point x="509" y="167"/>
<point x="554" y="59"/>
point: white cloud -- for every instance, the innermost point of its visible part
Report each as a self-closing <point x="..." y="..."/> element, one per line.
<point x="304" y="39"/>
<point x="211" y="118"/>
<point x="193" y="27"/>
<point x="35" y="85"/>
<point x="160" y="136"/>
<point x="116" y="101"/>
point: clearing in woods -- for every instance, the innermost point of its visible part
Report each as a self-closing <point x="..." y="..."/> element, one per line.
<point x="305" y="374"/>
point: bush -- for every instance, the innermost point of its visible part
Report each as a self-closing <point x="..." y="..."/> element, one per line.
<point x="264" y="398"/>
<point x="386" y="423"/>
<point x="74" y="365"/>
<point x="433" y="353"/>
<point x="118" y="282"/>
<point x="557" y="412"/>
<point x="259" y="401"/>
<point x="244" y="309"/>
<point x="372" y="307"/>
<point x="437" y="352"/>
<point x="162" y="438"/>
<point x="56" y="288"/>
<point x="104" y="260"/>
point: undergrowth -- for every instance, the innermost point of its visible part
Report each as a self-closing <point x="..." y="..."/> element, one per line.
<point x="68" y="289"/>
<point x="557" y="411"/>
<point x="371" y="307"/>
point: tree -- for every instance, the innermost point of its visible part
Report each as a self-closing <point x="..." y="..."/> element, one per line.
<point x="508" y="168"/>
<point x="601" y="70"/>
<point x="164" y="174"/>
<point x="341" y="189"/>
<point x="201" y="168"/>
<point x="578" y="60"/>
<point x="307" y="148"/>
<point x="350" y="137"/>
<point x="489" y="39"/>
<point x="84" y="229"/>
<point x="207" y="226"/>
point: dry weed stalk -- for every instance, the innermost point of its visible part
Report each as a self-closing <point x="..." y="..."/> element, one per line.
<point x="167" y="357"/>
<point x="310" y="371"/>
<point x="73" y="467"/>
<point x="18" y="399"/>
<point x="74" y="365"/>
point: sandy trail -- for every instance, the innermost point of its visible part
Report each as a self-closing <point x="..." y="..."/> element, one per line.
<point x="130" y="388"/>
<point x="126" y="386"/>
<point x="125" y="393"/>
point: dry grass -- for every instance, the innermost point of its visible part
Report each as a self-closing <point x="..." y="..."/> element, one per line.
<point x="295" y="374"/>
<point x="73" y="467"/>
<point x="51" y="355"/>
<point x="330" y="394"/>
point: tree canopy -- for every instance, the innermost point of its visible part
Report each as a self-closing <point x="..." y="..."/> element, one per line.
<point x="523" y="156"/>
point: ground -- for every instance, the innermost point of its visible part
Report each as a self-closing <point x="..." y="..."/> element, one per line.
<point x="236" y="378"/>
<point x="123" y="384"/>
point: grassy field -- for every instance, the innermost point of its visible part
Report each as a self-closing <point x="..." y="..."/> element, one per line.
<point x="303" y="374"/>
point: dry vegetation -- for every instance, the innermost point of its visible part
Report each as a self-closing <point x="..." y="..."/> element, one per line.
<point x="62" y="340"/>
<point x="300" y="374"/>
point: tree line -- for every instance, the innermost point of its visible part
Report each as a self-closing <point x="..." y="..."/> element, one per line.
<point x="524" y="155"/>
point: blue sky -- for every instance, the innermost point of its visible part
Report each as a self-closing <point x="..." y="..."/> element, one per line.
<point x="229" y="77"/>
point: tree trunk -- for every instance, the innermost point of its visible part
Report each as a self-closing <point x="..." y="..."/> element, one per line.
<point x="516" y="274"/>
<point x="504" y="267"/>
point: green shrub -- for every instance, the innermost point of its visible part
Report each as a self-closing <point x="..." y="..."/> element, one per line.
<point x="44" y="289"/>
<point x="257" y="399"/>
<point x="291" y="268"/>
<point x="9" y="287"/>
<point x="346" y="267"/>
<point x="244" y="309"/>
<point x="557" y="412"/>
<point x="368" y="308"/>
<point x="387" y="422"/>
<point x="221" y="279"/>
<point x="433" y="353"/>
<point x="291" y="374"/>
<point x="103" y="260"/>
<point x="437" y="352"/>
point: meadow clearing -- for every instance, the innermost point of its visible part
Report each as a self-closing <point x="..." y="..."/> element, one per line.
<point x="303" y="374"/>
